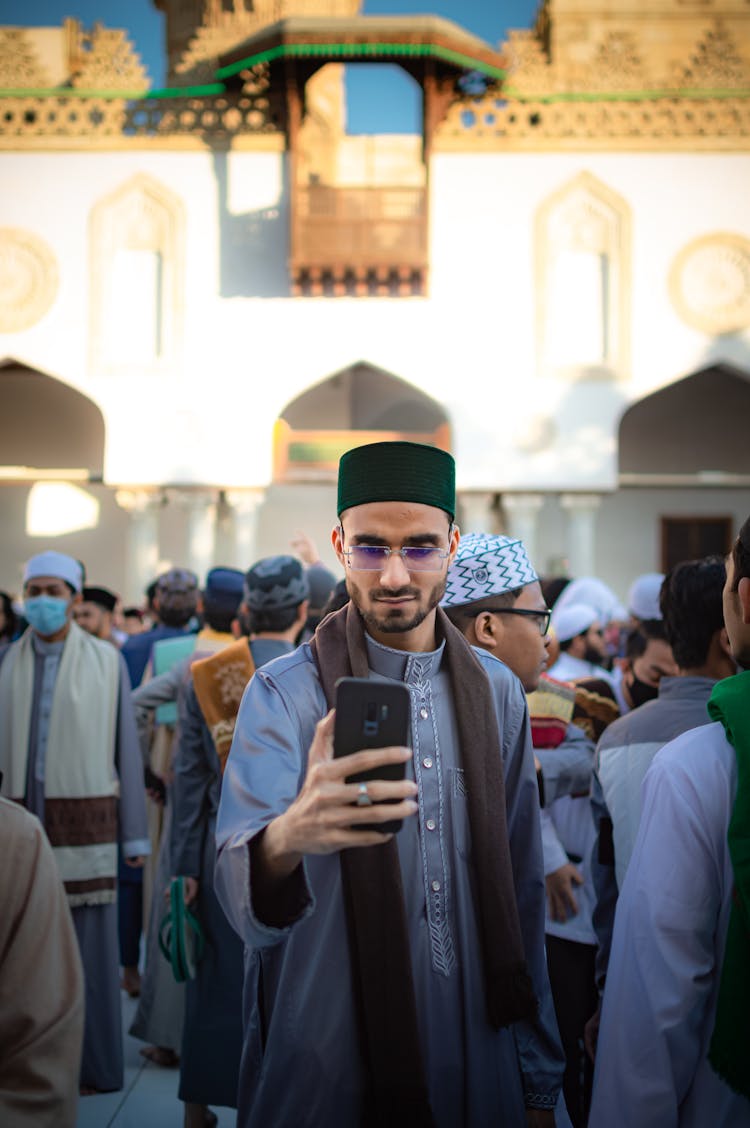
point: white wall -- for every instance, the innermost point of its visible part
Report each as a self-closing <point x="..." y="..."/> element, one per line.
<point x="249" y="348"/>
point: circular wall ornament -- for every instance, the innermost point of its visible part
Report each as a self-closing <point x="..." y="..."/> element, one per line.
<point x="709" y="283"/>
<point x="28" y="279"/>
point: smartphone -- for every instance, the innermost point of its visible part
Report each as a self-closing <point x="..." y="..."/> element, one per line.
<point x="372" y="714"/>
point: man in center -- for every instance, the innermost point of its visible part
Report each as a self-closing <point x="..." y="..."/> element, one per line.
<point x="390" y="979"/>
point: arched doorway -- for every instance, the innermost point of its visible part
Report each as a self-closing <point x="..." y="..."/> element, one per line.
<point x="687" y="445"/>
<point x="360" y="404"/>
<point x="46" y="426"/>
<point x="52" y="440"/>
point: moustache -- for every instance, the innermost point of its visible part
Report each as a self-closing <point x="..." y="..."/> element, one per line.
<point x="389" y="593"/>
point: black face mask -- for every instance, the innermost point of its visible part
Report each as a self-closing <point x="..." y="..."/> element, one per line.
<point x="640" y="691"/>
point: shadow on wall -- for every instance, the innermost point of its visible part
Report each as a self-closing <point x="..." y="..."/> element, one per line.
<point x="253" y="246"/>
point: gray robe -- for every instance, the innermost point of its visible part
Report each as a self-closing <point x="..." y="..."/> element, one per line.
<point x="212" y="1035"/>
<point x="95" y="925"/>
<point x="301" y="1064"/>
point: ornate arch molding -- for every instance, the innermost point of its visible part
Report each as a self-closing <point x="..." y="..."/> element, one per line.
<point x="137" y="241"/>
<point x="582" y="238"/>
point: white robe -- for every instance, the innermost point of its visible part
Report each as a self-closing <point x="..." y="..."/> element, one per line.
<point x="670" y="931"/>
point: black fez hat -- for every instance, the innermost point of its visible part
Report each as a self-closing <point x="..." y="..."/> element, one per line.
<point x="102" y="597"/>
<point x="397" y="471"/>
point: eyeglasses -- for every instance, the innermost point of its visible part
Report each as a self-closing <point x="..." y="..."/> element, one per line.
<point x="374" y="557"/>
<point x="542" y="618"/>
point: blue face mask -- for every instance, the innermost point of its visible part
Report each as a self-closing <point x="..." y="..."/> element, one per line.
<point x="46" y="614"/>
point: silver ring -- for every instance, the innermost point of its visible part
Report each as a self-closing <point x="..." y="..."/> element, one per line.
<point x="363" y="798"/>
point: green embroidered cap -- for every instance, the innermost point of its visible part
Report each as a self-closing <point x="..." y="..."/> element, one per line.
<point x="397" y="471"/>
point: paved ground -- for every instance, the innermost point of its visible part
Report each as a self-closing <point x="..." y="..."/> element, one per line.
<point x="149" y="1098"/>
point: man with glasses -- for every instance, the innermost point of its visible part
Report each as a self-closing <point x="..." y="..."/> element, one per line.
<point x="391" y="980"/>
<point x="494" y="597"/>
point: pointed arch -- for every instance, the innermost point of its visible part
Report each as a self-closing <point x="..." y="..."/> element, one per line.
<point x="582" y="248"/>
<point x="694" y="429"/>
<point x="137" y="236"/>
<point x="358" y="404"/>
<point x="47" y="425"/>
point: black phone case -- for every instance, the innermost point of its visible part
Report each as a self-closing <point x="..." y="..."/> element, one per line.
<point x="372" y="714"/>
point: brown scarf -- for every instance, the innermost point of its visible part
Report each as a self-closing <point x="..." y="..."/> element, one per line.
<point x="373" y="894"/>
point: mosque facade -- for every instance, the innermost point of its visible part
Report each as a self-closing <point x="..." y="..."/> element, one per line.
<point x="209" y="291"/>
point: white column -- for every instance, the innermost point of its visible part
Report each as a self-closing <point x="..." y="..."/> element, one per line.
<point x="200" y="507"/>
<point x="522" y="513"/>
<point x="142" y="549"/>
<point x="475" y="512"/>
<point x="581" y="541"/>
<point x="244" y="509"/>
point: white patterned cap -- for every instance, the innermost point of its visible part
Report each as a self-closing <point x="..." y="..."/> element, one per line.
<point x="485" y="565"/>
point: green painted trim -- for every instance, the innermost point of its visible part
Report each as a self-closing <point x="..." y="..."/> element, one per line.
<point x="625" y="95"/>
<point x="363" y="50"/>
<point x="207" y="90"/>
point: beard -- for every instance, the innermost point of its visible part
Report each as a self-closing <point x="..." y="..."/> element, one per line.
<point x="595" y="657"/>
<point x="394" y="620"/>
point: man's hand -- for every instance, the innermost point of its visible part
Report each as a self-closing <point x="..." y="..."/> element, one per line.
<point x="560" y="897"/>
<point x="305" y="548"/>
<point x="540" y="1118"/>
<point x="189" y="890"/>
<point x="591" y="1032"/>
<point x="319" y="820"/>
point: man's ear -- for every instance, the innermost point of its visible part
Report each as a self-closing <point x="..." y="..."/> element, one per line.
<point x="455" y="537"/>
<point x="337" y="540"/>
<point x="723" y="643"/>
<point x="77" y="598"/>
<point x="743" y="591"/>
<point x="485" y="630"/>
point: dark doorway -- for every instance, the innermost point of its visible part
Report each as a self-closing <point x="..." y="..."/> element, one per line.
<point x="690" y="538"/>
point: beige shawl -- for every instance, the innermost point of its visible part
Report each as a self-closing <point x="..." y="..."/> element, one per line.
<point x="81" y="785"/>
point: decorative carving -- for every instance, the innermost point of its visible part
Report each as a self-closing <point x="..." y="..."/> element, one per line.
<point x="583" y="231"/>
<point x="108" y="61"/>
<point x="618" y="64"/>
<point x="667" y="123"/>
<point x="19" y="66"/>
<point x="141" y="216"/>
<point x="28" y="279"/>
<point x="716" y="63"/>
<point x="709" y="283"/>
<point x="193" y="57"/>
<point x="528" y="65"/>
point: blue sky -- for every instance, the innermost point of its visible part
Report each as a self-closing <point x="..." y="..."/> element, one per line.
<point x="378" y="99"/>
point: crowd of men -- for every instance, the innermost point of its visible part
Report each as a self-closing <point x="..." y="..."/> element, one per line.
<point x="534" y="912"/>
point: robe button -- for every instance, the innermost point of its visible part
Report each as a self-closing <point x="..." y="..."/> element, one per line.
<point x="430" y="824"/>
<point x="435" y="886"/>
<point x="423" y="713"/>
<point x="427" y="762"/>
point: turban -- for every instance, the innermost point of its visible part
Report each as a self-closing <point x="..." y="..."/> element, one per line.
<point x="397" y="471"/>
<point x="55" y="564"/>
<point x="486" y="565"/>
<point x="594" y="593"/>
<point x="570" y="621"/>
<point x="643" y="597"/>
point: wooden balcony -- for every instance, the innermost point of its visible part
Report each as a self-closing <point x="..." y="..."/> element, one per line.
<point x="358" y="241"/>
